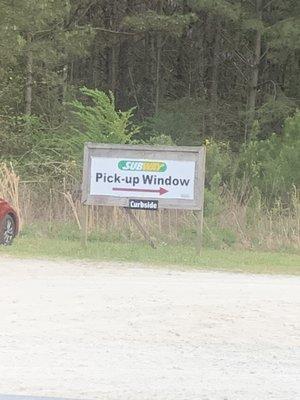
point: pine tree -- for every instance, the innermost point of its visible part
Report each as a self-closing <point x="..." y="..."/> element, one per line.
<point x="47" y="42"/>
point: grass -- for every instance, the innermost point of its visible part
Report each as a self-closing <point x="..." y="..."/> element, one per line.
<point x="184" y="256"/>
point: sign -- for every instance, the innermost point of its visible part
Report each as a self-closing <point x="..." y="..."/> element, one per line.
<point x="115" y="174"/>
<point x="151" y="205"/>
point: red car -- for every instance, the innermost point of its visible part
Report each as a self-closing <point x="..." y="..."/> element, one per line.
<point x="9" y="223"/>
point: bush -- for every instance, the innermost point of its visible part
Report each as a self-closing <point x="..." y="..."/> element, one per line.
<point x="39" y="150"/>
<point x="100" y="122"/>
<point x="273" y="165"/>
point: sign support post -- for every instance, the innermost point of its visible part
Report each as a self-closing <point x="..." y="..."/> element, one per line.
<point x="199" y="221"/>
<point x="140" y="227"/>
<point x="200" y="212"/>
<point x="84" y="226"/>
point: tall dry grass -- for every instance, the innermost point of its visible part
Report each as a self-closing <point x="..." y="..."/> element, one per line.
<point x="238" y="223"/>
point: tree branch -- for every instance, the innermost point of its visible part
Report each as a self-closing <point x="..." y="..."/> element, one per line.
<point x="111" y="31"/>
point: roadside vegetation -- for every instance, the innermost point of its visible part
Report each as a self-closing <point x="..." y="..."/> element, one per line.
<point x="251" y="196"/>
<point x="220" y="74"/>
<point x="168" y="255"/>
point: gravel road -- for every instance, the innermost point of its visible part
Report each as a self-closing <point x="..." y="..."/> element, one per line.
<point x="125" y="332"/>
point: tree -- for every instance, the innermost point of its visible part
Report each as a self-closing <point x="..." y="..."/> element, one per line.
<point x="161" y="27"/>
<point x="48" y="42"/>
<point x="100" y="122"/>
<point x="217" y="67"/>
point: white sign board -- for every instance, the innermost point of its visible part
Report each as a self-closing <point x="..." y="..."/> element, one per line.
<point x="116" y="174"/>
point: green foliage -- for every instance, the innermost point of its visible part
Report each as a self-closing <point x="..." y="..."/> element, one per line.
<point x="38" y="150"/>
<point x="179" y="120"/>
<point x="273" y="165"/>
<point x="161" y="140"/>
<point x="33" y="15"/>
<point x="222" y="8"/>
<point x="262" y="170"/>
<point x="219" y="238"/>
<point x="74" y="43"/>
<point x="273" y="113"/>
<point x="173" y="25"/>
<point x="100" y="122"/>
<point x="284" y="37"/>
<point x="220" y="162"/>
<point x="190" y="59"/>
<point x="254" y="206"/>
<point x="40" y="27"/>
<point x="18" y="136"/>
<point x="253" y="24"/>
<point x="213" y="204"/>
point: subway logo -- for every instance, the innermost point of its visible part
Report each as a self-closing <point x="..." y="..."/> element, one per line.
<point x="145" y="166"/>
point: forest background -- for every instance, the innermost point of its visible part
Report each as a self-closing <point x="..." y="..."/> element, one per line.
<point x="183" y="72"/>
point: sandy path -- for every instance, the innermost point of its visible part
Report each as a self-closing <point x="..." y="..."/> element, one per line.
<point x="112" y="331"/>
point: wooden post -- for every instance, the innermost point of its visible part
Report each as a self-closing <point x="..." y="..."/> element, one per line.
<point x="84" y="226"/>
<point x="140" y="227"/>
<point x="199" y="221"/>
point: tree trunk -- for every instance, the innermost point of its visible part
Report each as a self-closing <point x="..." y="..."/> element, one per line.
<point x="115" y="48"/>
<point x="97" y="61"/>
<point x="214" y="80"/>
<point x="215" y="67"/>
<point x="114" y="68"/>
<point x="255" y="70"/>
<point x="29" y="80"/>
<point x="158" y="63"/>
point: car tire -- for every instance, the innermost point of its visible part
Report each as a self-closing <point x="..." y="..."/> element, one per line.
<point x="7" y="230"/>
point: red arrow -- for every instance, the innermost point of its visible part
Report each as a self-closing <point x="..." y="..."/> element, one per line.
<point x="161" y="190"/>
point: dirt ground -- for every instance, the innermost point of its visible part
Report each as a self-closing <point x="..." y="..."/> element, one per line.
<point x="125" y="332"/>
